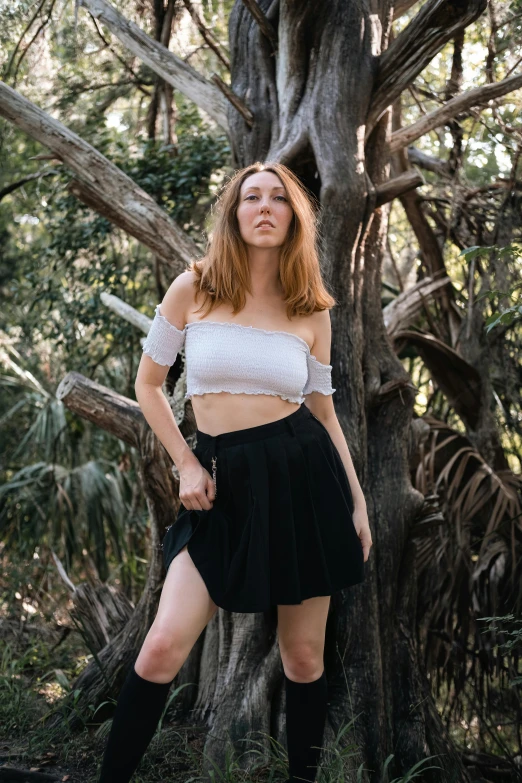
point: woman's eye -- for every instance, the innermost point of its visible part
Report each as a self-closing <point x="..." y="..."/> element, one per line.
<point x="252" y="195"/>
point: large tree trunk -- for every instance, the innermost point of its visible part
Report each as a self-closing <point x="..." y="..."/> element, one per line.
<point x="312" y="105"/>
<point x="311" y="86"/>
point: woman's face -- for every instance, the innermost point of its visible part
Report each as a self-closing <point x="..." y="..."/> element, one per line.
<point x="263" y="197"/>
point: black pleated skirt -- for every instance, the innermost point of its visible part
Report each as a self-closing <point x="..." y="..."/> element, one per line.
<point x="281" y="528"/>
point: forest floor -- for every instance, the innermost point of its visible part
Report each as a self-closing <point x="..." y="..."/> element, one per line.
<point x="39" y="663"/>
<point x="41" y="657"/>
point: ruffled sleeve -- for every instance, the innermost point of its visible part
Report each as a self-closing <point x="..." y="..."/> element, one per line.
<point x="164" y="340"/>
<point x="319" y="377"/>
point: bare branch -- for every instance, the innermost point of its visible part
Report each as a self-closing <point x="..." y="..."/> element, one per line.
<point x="264" y="25"/>
<point x="101" y="184"/>
<point x="404" y="309"/>
<point x="84" y="88"/>
<point x="112" y="412"/>
<point x="241" y="107"/>
<point x="437" y="22"/>
<point x="207" y="34"/>
<point x="19" y="42"/>
<point x="401" y="7"/>
<point x="509" y="20"/>
<point x="418" y="158"/>
<point x="162" y="61"/>
<point x="126" y="311"/>
<point x="397" y="186"/>
<point x="476" y="97"/>
<point x="19" y="183"/>
<point x="142" y="322"/>
<point x="43" y="25"/>
<point x="107" y="44"/>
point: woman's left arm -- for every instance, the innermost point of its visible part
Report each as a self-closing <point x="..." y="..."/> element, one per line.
<point x="322" y="407"/>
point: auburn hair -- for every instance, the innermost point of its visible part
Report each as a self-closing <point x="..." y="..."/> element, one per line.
<point x="222" y="274"/>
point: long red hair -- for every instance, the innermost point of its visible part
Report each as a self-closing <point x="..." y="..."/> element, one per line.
<point x="222" y="275"/>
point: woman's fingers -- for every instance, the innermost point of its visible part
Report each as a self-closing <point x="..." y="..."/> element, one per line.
<point x="211" y="488"/>
<point x="202" y="495"/>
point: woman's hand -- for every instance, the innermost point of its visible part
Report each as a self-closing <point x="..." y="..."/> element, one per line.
<point x="196" y="486"/>
<point x="362" y="526"/>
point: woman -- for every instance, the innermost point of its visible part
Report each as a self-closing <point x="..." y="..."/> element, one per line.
<point x="271" y="510"/>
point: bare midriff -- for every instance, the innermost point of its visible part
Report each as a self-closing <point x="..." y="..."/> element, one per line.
<point x="218" y="412"/>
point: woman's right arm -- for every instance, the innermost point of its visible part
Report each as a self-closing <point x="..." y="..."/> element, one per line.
<point x="196" y="485"/>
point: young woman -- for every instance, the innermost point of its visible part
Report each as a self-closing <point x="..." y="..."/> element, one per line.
<point x="271" y="509"/>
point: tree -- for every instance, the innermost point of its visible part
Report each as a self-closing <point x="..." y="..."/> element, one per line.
<point x="318" y="89"/>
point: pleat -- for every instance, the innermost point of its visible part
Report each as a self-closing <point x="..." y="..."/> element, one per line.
<point x="334" y="463"/>
<point x="247" y="580"/>
<point x="341" y="543"/>
<point x="284" y="512"/>
<point x="313" y="565"/>
<point x="281" y="528"/>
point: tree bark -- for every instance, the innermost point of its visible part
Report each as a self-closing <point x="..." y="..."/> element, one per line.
<point x="321" y="105"/>
<point x="171" y="68"/>
<point x="437" y="22"/>
<point x="479" y="96"/>
<point x="123" y="418"/>
<point x="313" y="104"/>
<point x="103" y="186"/>
<point x="99" y="610"/>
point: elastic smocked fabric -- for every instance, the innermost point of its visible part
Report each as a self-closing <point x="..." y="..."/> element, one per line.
<point x="223" y="356"/>
<point x="164" y="341"/>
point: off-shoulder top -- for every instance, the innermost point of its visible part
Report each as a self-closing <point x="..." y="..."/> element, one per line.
<point x="223" y="356"/>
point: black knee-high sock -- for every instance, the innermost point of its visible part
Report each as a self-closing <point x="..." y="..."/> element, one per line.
<point x="139" y="708"/>
<point x="305" y="720"/>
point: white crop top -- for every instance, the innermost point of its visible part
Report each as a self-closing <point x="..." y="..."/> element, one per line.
<point x="230" y="357"/>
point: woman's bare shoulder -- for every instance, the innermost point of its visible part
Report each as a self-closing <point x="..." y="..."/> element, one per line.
<point x="322" y="329"/>
<point x="179" y="299"/>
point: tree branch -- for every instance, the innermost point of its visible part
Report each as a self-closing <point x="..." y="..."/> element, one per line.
<point x="404" y="309"/>
<point x="43" y="25"/>
<point x="476" y="97"/>
<point x="437" y="22"/>
<point x="19" y="183"/>
<point x="162" y="61"/>
<point x="117" y="55"/>
<point x="401" y="7"/>
<point x="206" y="34"/>
<point x="122" y="417"/>
<point x="264" y="25"/>
<point x="126" y="311"/>
<point x="429" y="162"/>
<point x="101" y="184"/>
<point x="241" y="107"/>
<point x="397" y="186"/>
<point x="116" y="414"/>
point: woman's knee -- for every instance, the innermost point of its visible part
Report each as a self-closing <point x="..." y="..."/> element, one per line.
<point x="161" y="656"/>
<point x="303" y="662"/>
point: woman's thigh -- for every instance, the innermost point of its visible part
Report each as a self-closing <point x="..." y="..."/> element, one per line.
<point x="185" y="608"/>
<point x="301" y="632"/>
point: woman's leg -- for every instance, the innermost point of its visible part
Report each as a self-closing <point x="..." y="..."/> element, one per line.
<point x="301" y="631"/>
<point x="184" y="610"/>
